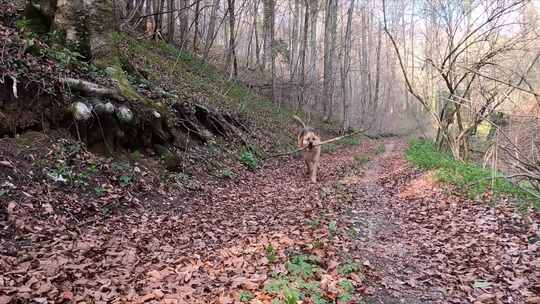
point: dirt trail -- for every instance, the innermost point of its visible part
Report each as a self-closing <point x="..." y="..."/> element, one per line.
<point x="434" y="246"/>
<point x="211" y="247"/>
<point x="384" y="243"/>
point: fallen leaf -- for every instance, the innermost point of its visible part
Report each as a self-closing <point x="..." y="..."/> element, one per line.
<point x="5" y="299"/>
<point x="147" y="297"/>
<point x="533" y="300"/>
<point x="485" y="297"/>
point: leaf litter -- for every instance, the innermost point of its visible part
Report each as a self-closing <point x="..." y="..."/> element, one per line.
<point x="212" y="246"/>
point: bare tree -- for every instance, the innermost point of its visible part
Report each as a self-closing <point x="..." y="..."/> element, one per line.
<point x="269" y="42"/>
<point x="330" y="28"/>
<point x="461" y="75"/>
<point x="345" y="67"/>
<point x="231" y="54"/>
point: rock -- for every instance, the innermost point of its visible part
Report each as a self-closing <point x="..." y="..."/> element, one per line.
<point x="124" y="114"/>
<point x="81" y="111"/>
<point x="107" y="108"/>
<point x="171" y="160"/>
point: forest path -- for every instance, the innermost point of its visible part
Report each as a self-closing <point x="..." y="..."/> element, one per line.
<point x="380" y="226"/>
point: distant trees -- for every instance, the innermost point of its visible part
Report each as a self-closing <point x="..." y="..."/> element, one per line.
<point x="470" y="60"/>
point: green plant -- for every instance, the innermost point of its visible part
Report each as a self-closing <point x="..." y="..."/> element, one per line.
<point x="315" y="223"/>
<point x="361" y="160"/>
<point x="319" y="299"/>
<point x="125" y="180"/>
<point x="348" y="268"/>
<point x="271" y="254"/>
<point x="468" y="177"/>
<point x="92" y="169"/>
<point x="317" y="244"/>
<point x="348" y="288"/>
<point x="275" y="286"/>
<point x="246" y="296"/>
<point x="226" y="173"/>
<point x="302" y="266"/>
<point x="309" y="287"/>
<point x="353" y="232"/>
<point x="345" y="298"/>
<point x="351" y="141"/>
<point x="136" y="156"/>
<point x="3" y="192"/>
<point x="290" y="295"/>
<point x="22" y="24"/>
<point x="99" y="190"/>
<point x="66" y="57"/>
<point x="332" y="229"/>
<point x="379" y="149"/>
<point x="329" y="148"/>
<point x="248" y="159"/>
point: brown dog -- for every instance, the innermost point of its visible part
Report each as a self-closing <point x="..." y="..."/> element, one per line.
<point x="308" y="139"/>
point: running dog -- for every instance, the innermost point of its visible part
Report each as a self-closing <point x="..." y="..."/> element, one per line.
<point x="309" y="141"/>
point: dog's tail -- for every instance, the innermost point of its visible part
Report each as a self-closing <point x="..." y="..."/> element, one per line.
<point x="299" y="121"/>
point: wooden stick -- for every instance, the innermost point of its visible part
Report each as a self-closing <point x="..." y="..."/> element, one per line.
<point x="321" y="143"/>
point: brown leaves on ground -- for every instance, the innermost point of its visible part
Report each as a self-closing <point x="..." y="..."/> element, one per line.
<point x="202" y="249"/>
<point x="425" y="247"/>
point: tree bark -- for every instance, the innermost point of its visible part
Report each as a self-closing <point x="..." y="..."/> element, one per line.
<point x="196" y="31"/>
<point x="269" y="42"/>
<point x="303" y="55"/>
<point x="329" y="47"/>
<point x="211" y="29"/>
<point x="345" y="69"/>
<point x="172" y="20"/>
<point x="184" y="22"/>
<point x="89" y="23"/>
<point x="231" y="55"/>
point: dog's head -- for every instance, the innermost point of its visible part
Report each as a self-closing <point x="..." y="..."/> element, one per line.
<point x="310" y="139"/>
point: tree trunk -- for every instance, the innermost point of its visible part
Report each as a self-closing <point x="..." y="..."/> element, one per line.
<point x="159" y="17"/>
<point x="256" y="32"/>
<point x="303" y="55"/>
<point x="196" y="31"/>
<point x="345" y="68"/>
<point x="172" y="20"/>
<point x="89" y="23"/>
<point x="377" y="70"/>
<point x="294" y="40"/>
<point x="184" y="21"/>
<point x="269" y="41"/>
<point x="231" y="56"/>
<point x="329" y="47"/>
<point x="313" y="57"/>
<point x="211" y="29"/>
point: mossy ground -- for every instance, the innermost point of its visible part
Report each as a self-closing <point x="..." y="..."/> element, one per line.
<point x="469" y="177"/>
<point x="187" y="76"/>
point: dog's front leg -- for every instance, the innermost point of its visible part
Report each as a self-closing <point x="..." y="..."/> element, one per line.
<point x="307" y="172"/>
<point x="314" y="172"/>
